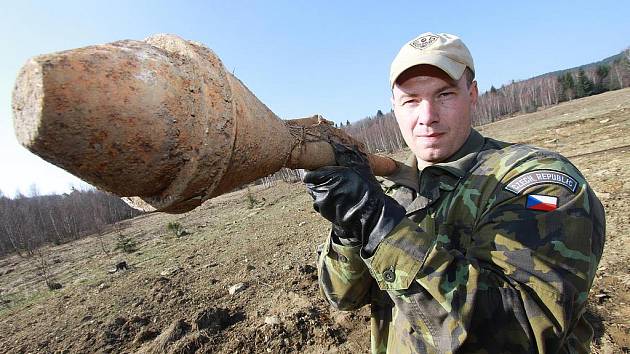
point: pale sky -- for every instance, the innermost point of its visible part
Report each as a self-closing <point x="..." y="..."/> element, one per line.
<point x="306" y="57"/>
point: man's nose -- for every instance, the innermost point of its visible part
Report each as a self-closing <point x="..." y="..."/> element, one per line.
<point x="427" y="113"/>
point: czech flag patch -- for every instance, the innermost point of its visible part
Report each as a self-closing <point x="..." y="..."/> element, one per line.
<point x="541" y="202"/>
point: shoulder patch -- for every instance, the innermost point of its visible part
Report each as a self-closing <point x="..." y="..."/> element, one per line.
<point x="528" y="179"/>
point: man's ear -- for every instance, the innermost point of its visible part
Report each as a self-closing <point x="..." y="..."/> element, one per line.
<point x="474" y="93"/>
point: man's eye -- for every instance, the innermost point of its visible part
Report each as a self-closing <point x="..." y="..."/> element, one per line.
<point x="447" y="94"/>
<point x="408" y="102"/>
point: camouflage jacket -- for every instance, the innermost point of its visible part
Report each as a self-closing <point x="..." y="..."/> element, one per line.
<point x="497" y="254"/>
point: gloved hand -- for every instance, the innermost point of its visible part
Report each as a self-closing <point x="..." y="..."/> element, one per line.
<point x="349" y="196"/>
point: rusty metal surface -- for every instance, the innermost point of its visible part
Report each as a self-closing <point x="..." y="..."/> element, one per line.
<point x="160" y="121"/>
<point x="150" y="118"/>
<point x="77" y="120"/>
<point x="209" y="134"/>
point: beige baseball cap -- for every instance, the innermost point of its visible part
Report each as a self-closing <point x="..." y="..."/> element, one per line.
<point x="443" y="50"/>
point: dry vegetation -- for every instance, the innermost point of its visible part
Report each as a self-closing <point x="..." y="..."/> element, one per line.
<point x="175" y="295"/>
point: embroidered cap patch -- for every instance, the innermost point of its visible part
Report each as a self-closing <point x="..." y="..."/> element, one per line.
<point x="424" y="41"/>
<point x="541" y="202"/>
<point x="526" y="180"/>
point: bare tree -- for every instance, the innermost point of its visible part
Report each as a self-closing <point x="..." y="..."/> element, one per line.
<point x="42" y="267"/>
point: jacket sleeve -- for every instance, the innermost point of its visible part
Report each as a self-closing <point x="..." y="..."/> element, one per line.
<point x="343" y="276"/>
<point x="516" y="282"/>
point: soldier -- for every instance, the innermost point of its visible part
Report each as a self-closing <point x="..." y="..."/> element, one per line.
<point x="474" y="245"/>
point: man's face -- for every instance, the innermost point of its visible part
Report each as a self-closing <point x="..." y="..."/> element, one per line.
<point x="433" y="112"/>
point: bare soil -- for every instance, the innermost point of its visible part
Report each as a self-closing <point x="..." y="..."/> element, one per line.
<point x="175" y="295"/>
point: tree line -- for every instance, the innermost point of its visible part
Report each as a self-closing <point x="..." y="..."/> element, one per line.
<point x="379" y="133"/>
<point x="528" y="95"/>
<point x="27" y="222"/>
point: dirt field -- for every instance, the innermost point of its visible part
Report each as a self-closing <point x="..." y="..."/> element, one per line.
<point x="175" y="295"/>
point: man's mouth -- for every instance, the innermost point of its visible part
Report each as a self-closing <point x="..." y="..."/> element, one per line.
<point x="430" y="135"/>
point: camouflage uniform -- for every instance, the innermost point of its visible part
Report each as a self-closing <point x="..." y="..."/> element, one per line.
<point x="474" y="268"/>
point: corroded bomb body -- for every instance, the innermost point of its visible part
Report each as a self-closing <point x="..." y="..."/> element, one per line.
<point x="160" y="121"/>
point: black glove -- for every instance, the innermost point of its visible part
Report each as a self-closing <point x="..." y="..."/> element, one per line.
<point x="349" y="196"/>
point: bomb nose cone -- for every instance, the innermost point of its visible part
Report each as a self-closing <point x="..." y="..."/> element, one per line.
<point x="105" y="113"/>
<point x="27" y="103"/>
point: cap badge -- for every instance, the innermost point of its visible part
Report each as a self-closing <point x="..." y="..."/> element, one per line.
<point x="424" y="41"/>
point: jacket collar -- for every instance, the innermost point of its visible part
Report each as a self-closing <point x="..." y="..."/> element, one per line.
<point x="460" y="163"/>
<point x="456" y="166"/>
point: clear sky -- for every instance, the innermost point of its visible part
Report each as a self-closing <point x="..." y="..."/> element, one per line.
<point x="306" y="57"/>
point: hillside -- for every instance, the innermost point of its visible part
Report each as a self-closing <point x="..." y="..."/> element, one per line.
<point x="590" y="66"/>
<point x="174" y="296"/>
